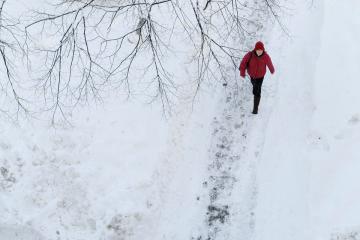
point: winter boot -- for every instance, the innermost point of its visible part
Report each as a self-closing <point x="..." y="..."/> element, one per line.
<point x="256" y="104"/>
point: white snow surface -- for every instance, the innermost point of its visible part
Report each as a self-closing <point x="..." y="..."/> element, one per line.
<point x="310" y="160"/>
<point x="123" y="171"/>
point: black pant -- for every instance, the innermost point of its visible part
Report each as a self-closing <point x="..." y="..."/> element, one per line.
<point x="257" y="83"/>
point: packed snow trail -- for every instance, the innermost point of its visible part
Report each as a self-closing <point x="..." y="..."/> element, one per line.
<point x="227" y="149"/>
<point x="221" y="205"/>
<point x="231" y="183"/>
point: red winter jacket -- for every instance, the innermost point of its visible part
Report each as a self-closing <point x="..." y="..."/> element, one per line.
<point x="256" y="65"/>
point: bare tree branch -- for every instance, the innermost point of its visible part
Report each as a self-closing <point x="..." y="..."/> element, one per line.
<point x="98" y="45"/>
<point x="8" y="42"/>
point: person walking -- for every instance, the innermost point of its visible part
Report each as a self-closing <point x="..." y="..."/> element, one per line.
<point x="255" y="63"/>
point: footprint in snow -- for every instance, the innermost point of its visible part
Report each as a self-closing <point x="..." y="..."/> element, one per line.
<point x="352" y="235"/>
<point x="355" y="119"/>
<point x="318" y="141"/>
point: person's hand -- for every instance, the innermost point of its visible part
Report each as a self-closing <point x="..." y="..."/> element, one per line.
<point x="241" y="75"/>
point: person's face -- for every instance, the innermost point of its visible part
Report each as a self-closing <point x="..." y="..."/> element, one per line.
<point x="259" y="52"/>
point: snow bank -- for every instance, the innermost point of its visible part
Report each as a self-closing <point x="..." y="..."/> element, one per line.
<point x="310" y="162"/>
<point x="334" y="137"/>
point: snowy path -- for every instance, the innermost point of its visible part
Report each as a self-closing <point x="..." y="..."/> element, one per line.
<point x="210" y="192"/>
<point x="237" y="141"/>
<point x="226" y="171"/>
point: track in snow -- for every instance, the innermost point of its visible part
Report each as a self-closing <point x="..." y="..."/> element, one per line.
<point x="231" y="182"/>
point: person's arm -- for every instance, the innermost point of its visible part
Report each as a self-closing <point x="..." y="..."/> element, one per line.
<point x="270" y="64"/>
<point x="243" y="64"/>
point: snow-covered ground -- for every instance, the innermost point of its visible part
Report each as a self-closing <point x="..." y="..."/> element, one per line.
<point x="212" y="170"/>
<point x="309" y="165"/>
